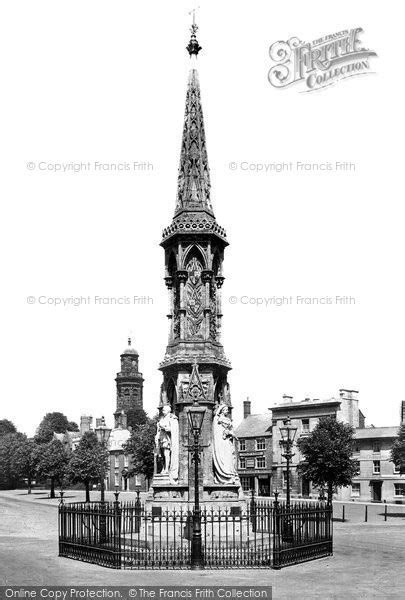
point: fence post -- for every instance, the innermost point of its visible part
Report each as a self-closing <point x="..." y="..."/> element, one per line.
<point x="385" y="512"/>
<point x="276" y="532"/>
<point x="117" y="530"/>
<point x="365" y="514"/>
<point x="253" y="511"/>
<point x="61" y="522"/>
<point x="343" y="514"/>
<point x="137" y="511"/>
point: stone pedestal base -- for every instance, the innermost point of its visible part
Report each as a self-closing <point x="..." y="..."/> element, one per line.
<point x="166" y="496"/>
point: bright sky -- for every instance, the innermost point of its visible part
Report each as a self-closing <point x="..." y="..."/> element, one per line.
<point x="103" y="82"/>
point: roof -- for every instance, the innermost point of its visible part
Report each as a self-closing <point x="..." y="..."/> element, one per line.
<point x="305" y="403"/>
<point x="367" y="433"/>
<point x="255" y="426"/>
<point x="130" y="349"/>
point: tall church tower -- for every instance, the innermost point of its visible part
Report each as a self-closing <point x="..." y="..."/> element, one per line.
<point x="129" y="385"/>
<point x="194" y="367"/>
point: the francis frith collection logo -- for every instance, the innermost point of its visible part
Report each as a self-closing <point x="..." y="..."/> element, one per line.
<point x="321" y="63"/>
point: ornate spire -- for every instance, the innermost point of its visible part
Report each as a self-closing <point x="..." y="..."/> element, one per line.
<point x="193" y="188"/>
<point x="193" y="45"/>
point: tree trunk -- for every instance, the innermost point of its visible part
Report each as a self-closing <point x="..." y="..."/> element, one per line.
<point x="52" y="495"/>
<point x="87" y="484"/>
<point x="29" y="485"/>
<point x="330" y="492"/>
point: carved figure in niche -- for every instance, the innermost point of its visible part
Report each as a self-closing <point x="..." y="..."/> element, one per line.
<point x="224" y="454"/>
<point x="167" y="443"/>
<point x="194" y="299"/>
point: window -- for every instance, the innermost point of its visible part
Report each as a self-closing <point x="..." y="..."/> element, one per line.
<point x="376" y="447"/>
<point x="117" y="480"/>
<point x="355" y="490"/>
<point x="376" y="467"/>
<point x="260" y="444"/>
<point x="356" y="448"/>
<point x="399" y="489"/>
<point x="242" y="445"/>
<point x="245" y="483"/>
<point x="242" y="462"/>
<point x="260" y="462"/>
<point x="305" y="425"/>
<point x="356" y="463"/>
<point x="117" y="461"/>
<point x="396" y="469"/>
<point x="126" y="461"/>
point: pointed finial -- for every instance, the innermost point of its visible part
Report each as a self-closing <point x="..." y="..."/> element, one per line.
<point x="193" y="45"/>
<point x="129" y="341"/>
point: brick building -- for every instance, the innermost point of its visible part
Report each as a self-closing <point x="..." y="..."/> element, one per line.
<point x="255" y="451"/>
<point x="378" y="480"/>
<point x="262" y="467"/>
<point x="129" y="382"/>
<point x="305" y="415"/>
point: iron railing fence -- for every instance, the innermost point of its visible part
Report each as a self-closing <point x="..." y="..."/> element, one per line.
<point x="129" y="536"/>
<point x="302" y="532"/>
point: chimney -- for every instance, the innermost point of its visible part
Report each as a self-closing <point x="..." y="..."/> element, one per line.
<point x="349" y="407"/>
<point x="246" y="408"/>
<point x="403" y="411"/>
<point x="85" y="423"/>
<point x="100" y="422"/>
<point x="287" y="398"/>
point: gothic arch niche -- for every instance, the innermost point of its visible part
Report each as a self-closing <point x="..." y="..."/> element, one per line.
<point x="219" y="392"/>
<point x="172" y="264"/>
<point x="174" y="294"/>
<point x="216" y="264"/>
<point x="194" y="262"/>
<point x="197" y="252"/>
<point x="171" y="394"/>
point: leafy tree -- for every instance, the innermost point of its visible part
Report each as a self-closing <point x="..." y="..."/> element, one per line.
<point x="140" y="447"/>
<point x="8" y="445"/>
<point x="7" y="426"/>
<point x="53" y="462"/>
<point x="55" y="422"/>
<point x="136" y="416"/>
<point x="327" y="453"/>
<point x="398" y="450"/>
<point x="25" y="460"/>
<point x="87" y="461"/>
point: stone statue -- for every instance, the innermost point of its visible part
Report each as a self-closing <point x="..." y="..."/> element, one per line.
<point x="224" y="454"/>
<point x="167" y="443"/>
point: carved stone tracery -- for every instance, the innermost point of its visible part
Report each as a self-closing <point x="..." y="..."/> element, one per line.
<point x="194" y="297"/>
<point x="193" y="178"/>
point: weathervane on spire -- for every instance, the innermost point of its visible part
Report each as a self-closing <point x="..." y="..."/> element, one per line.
<point x="193" y="45"/>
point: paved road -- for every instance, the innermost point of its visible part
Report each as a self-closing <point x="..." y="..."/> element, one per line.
<point x="368" y="561"/>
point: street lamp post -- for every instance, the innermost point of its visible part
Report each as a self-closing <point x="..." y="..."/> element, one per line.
<point x="287" y="441"/>
<point x="103" y="434"/>
<point x="195" y="416"/>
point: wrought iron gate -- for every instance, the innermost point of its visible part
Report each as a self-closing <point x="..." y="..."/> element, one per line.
<point x="302" y="532"/>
